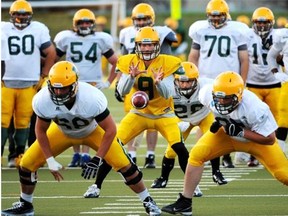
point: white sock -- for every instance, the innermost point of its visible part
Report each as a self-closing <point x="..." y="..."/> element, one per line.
<point x="27" y="197"/>
<point x="143" y="194"/>
<point x="149" y="152"/>
<point x="132" y="154"/>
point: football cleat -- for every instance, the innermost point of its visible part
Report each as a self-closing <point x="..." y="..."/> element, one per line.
<point x="92" y="192"/>
<point x="76" y="160"/>
<point x="84" y="159"/>
<point x="21" y="207"/>
<point x="150" y="207"/>
<point x="11" y="163"/>
<point x="227" y="162"/>
<point x="182" y="206"/>
<point x="150" y="162"/>
<point x="253" y="163"/>
<point x="219" y="178"/>
<point x="197" y="192"/>
<point x="159" y="183"/>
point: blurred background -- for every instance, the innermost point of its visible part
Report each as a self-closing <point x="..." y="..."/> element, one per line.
<point x="58" y="15"/>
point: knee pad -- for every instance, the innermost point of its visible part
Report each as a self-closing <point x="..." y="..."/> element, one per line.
<point x="130" y="172"/>
<point x="27" y="177"/>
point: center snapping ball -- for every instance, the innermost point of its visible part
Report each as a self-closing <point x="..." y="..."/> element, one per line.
<point x="139" y="100"/>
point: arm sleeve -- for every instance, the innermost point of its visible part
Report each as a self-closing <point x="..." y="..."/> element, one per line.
<point x="125" y="84"/>
<point x="164" y="87"/>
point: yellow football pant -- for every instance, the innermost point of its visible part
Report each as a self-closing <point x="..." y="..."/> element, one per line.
<point x="34" y="158"/>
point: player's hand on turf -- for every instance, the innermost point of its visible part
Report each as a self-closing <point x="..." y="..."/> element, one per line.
<point x="232" y="128"/>
<point x="91" y="168"/>
<point x="54" y="167"/>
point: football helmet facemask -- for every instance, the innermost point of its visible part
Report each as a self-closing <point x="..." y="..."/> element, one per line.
<point x="21" y="13"/>
<point x="143" y="15"/>
<point x="217" y="13"/>
<point x="63" y="74"/>
<point x="149" y="36"/>
<point x="263" y="21"/>
<point x="227" y="92"/>
<point x="84" y="16"/>
<point x="187" y="84"/>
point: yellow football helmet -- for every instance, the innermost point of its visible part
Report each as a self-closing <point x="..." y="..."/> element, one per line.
<point x="62" y="74"/>
<point x="217" y="12"/>
<point x="126" y="22"/>
<point x="281" y="22"/>
<point x="263" y="21"/>
<point x="147" y="35"/>
<point x="81" y="16"/>
<point x="101" y="20"/>
<point x="143" y="12"/>
<point x="227" y="91"/>
<point x="171" y="23"/>
<point x="21" y="13"/>
<point x="187" y="83"/>
<point x="244" y="19"/>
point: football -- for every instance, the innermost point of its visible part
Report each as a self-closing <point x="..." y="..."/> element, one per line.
<point x="139" y="100"/>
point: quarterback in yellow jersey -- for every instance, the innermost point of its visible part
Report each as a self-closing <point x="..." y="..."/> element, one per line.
<point x="72" y="113"/>
<point x="152" y="73"/>
<point x="144" y="15"/>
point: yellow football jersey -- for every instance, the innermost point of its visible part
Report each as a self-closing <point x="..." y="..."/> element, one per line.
<point x="158" y="105"/>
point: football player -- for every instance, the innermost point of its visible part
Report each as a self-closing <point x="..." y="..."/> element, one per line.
<point x="73" y="113"/>
<point x="143" y="15"/>
<point x="178" y="48"/>
<point x="243" y="123"/>
<point x="85" y="47"/>
<point x="192" y="113"/>
<point x="219" y="45"/>
<point x="280" y="48"/>
<point x="27" y="39"/>
<point x="244" y="19"/>
<point x="153" y="73"/>
<point x="260" y="80"/>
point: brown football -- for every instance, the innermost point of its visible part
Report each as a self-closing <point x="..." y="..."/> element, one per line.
<point x="139" y="100"/>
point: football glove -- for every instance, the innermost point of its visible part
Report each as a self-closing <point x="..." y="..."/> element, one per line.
<point x="117" y="94"/>
<point x="234" y="129"/>
<point x="103" y="85"/>
<point x="53" y="165"/>
<point x="215" y="126"/>
<point x="91" y="168"/>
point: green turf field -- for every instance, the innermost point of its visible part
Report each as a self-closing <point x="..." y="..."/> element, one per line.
<point x="250" y="191"/>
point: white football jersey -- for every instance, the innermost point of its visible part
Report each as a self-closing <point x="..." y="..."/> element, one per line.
<point x="127" y="36"/>
<point x="259" y="72"/>
<point x="251" y="113"/>
<point x="85" y="52"/>
<point x="4" y="47"/>
<point x="79" y="121"/>
<point x="218" y="47"/>
<point x="24" y="48"/>
<point x="190" y="109"/>
<point x="280" y="45"/>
